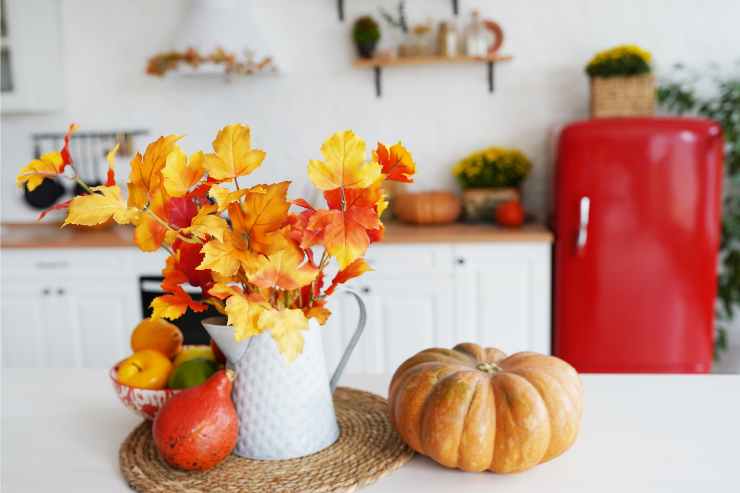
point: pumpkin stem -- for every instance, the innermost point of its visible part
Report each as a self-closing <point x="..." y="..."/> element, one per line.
<point x="489" y="367"/>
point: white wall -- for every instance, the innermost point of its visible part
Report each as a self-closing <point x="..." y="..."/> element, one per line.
<point x="440" y="112"/>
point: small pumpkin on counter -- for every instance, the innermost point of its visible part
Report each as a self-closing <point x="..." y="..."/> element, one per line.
<point x="476" y="408"/>
<point x="433" y="207"/>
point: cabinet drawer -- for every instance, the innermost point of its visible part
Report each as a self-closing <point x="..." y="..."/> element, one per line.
<point x="390" y="259"/>
<point x="66" y="262"/>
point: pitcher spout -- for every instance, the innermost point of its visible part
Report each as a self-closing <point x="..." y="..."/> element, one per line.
<point x="223" y="335"/>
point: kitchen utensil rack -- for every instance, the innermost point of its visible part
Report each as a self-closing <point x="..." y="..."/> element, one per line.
<point x="377" y="64"/>
<point x="87" y="148"/>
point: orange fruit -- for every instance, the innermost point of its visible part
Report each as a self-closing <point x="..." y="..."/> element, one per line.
<point x="157" y="334"/>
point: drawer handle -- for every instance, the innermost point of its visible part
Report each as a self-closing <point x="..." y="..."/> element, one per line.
<point x="61" y="291"/>
<point x="366" y="290"/>
<point x="460" y="260"/>
<point x="59" y="264"/>
<point x="46" y="292"/>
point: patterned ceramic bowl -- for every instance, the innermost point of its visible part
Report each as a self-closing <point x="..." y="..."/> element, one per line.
<point x="144" y="402"/>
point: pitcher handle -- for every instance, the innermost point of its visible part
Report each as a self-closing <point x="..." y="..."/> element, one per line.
<point x="353" y="342"/>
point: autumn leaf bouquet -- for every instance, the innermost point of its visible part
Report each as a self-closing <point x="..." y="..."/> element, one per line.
<point x="256" y="261"/>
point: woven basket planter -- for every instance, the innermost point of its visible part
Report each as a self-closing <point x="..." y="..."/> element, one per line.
<point x="623" y="96"/>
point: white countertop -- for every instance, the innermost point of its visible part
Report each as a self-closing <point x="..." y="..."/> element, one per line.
<point x="61" y="430"/>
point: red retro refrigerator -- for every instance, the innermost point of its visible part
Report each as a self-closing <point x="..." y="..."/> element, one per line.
<point x="637" y="226"/>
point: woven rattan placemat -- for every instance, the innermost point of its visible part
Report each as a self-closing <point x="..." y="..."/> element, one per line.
<point x="368" y="448"/>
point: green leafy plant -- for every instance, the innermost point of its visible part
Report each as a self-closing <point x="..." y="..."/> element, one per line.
<point x="620" y="61"/>
<point x="493" y="167"/>
<point x="681" y="95"/>
<point x="366" y="31"/>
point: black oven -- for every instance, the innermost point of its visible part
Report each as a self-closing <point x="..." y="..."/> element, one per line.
<point x="192" y="331"/>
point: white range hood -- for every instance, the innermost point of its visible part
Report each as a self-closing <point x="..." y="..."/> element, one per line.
<point x="230" y="25"/>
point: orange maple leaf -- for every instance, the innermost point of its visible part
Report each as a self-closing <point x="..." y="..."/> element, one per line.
<point x="286" y="268"/>
<point x="345" y="227"/>
<point x="397" y="163"/>
<point x="150" y="233"/>
<point x="263" y="211"/>
<point x="355" y="269"/>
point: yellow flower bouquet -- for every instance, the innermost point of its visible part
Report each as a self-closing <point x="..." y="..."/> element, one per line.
<point x="622" y="60"/>
<point x="493" y="167"/>
<point x="490" y="177"/>
<point x="621" y="82"/>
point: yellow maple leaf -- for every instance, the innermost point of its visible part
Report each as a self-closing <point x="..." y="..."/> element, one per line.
<point x="181" y="174"/>
<point x="233" y="155"/>
<point x="264" y="211"/>
<point x="47" y="166"/>
<point x="225" y="257"/>
<point x="208" y="223"/>
<point x="98" y="207"/>
<point x="221" y="257"/>
<point x="284" y="269"/>
<point x="224" y="196"/>
<point x="344" y="165"/>
<point x="146" y="178"/>
<point x="287" y="328"/>
<point x="244" y="316"/>
<point x="223" y="290"/>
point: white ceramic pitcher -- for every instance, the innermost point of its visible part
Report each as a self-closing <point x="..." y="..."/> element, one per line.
<point x="285" y="409"/>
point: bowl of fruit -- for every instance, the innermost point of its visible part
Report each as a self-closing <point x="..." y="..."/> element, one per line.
<point x="160" y="367"/>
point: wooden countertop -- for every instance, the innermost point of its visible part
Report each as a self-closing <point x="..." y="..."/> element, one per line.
<point x="48" y="235"/>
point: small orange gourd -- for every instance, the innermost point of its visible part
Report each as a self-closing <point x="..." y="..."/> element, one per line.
<point x="475" y="408"/>
<point x="434" y="207"/>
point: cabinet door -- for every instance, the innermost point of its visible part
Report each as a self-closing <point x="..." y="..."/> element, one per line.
<point x="101" y="314"/>
<point x="503" y="295"/>
<point x="405" y="315"/>
<point x="23" y="324"/>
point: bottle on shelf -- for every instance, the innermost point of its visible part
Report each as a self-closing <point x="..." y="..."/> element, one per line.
<point x="476" y="40"/>
<point x="448" y="39"/>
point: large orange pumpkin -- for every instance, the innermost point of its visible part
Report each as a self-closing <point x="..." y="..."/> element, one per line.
<point x="474" y="408"/>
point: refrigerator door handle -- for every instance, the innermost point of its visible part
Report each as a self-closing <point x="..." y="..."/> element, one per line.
<point x="584" y="213"/>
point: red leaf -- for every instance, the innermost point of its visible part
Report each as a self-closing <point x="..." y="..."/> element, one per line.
<point x="191" y="257"/>
<point x="110" y="178"/>
<point x="66" y="156"/>
<point x="181" y="211"/>
<point x="59" y="206"/>
<point x="397" y="163"/>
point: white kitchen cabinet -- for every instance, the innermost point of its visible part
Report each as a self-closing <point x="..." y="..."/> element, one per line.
<point x="503" y="295"/>
<point x="76" y="307"/>
<point x="67" y="308"/>
<point x="421" y="295"/>
<point x="32" y="78"/>
<point x="23" y="324"/>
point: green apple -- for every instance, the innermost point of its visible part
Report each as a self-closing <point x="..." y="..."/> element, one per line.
<point x="194" y="352"/>
<point x="192" y="373"/>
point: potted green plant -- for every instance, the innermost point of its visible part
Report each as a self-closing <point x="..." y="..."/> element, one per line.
<point x="366" y="34"/>
<point x="621" y="82"/>
<point x="490" y="177"/>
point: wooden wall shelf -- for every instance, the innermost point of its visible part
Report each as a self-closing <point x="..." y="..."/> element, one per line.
<point x="377" y="64"/>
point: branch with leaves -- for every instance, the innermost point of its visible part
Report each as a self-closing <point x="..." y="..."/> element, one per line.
<point x="252" y="258"/>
